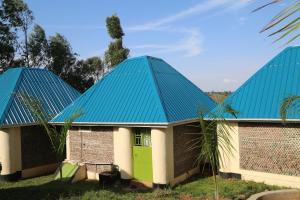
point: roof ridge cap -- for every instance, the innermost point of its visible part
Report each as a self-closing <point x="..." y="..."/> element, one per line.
<point x="157" y="89"/>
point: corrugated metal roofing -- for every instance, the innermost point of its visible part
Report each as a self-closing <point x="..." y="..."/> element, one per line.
<point x="139" y="90"/>
<point x="261" y="96"/>
<point x="52" y="92"/>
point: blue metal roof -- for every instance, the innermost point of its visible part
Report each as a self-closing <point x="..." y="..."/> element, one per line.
<point x="143" y="90"/>
<point x="261" y="96"/>
<point x="52" y="92"/>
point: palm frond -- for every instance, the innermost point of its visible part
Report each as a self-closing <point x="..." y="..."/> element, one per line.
<point x="265" y="5"/>
<point x="57" y="139"/>
<point x="287" y="104"/>
<point x="291" y="26"/>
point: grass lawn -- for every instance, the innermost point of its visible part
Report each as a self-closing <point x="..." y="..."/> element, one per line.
<point x="201" y="188"/>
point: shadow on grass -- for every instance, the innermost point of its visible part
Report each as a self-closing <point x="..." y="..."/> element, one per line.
<point x="61" y="190"/>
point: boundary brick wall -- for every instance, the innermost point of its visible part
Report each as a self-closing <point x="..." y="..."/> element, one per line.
<point x="267" y="147"/>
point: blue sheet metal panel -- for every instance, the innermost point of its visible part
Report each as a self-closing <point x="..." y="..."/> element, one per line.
<point x="8" y="83"/>
<point x="261" y="96"/>
<point x="139" y="90"/>
<point x="127" y="94"/>
<point x="181" y="98"/>
<point x="50" y="90"/>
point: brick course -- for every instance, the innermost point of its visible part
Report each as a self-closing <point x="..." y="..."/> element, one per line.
<point x="185" y="159"/>
<point x="95" y="146"/>
<point x="273" y="148"/>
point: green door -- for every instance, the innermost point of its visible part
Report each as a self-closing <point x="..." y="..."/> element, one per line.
<point x="142" y="155"/>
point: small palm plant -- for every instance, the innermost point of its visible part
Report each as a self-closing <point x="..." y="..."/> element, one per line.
<point x="286" y="23"/>
<point x="290" y="103"/>
<point x="56" y="136"/>
<point x="214" y="144"/>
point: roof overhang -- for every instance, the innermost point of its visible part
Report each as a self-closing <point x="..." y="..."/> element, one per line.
<point x="131" y="124"/>
<point x="258" y="120"/>
<point x="123" y="124"/>
<point x="18" y="125"/>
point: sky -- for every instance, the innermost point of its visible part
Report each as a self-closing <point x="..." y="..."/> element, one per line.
<point x="214" y="43"/>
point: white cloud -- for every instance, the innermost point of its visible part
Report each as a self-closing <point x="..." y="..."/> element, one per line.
<point x="191" y="44"/>
<point x="203" y="7"/>
<point x="242" y="20"/>
<point x="196" y="9"/>
<point x="228" y="81"/>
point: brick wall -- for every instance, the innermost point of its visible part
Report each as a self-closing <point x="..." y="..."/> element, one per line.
<point x="184" y="159"/>
<point x="36" y="148"/>
<point x="95" y="146"/>
<point x="272" y="148"/>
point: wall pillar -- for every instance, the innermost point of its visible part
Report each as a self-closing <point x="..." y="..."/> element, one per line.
<point x="231" y="162"/>
<point x="68" y="150"/>
<point x="123" y="151"/>
<point x="10" y="153"/>
<point x="162" y="156"/>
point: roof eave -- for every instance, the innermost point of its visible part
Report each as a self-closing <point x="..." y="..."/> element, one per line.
<point x="5" y="126"/>
<point x="132" y="124"/>
<point x="123" y="124"/>
<point x="274" y="120"/>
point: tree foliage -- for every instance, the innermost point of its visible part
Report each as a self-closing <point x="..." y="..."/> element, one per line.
<point x="38" y="47"/>
<point x="55" y="52"/>
<point x="114" y="28"/>
<point x="61" y="55"/>
<point x="7" y="44"/>
<point x="116" y="52"/>
<point x="84" y="73"/>
<point x="20" y="17"/>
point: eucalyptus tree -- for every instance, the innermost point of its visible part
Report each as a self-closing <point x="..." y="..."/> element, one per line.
<point x="20" y="17"/>
<point x="116" y="52"/>
<point x="84" y="73"/>
<point x="38" y="47"/>
<point x="7" y="44"/>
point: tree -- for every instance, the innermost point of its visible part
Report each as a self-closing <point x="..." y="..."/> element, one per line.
<point x="81" y="74"/>
<point x="115" y="53"/>
<point x="114" y="28"/>
<point x="37" y="47"/>
<point x="7" y="42"/>
<point x="85" y="72"/>
<point x="94" y="67"/>
<point x="20" y="17"/>
<point x="215" y="136"/>
<point x="56" y="136"/>
<point x="61" y="56"/>
<point x="289" y="17"/>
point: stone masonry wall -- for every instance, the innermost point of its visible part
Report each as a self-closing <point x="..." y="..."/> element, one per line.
<point x="94" y="146"/>
<point x="272" y="148"/>
<point x="185" y="159"/>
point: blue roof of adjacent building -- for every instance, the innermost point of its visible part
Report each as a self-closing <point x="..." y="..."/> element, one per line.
<point x="261" y="96"/>
<point x="141" y="90"/>
<point x="53" y="93"/>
